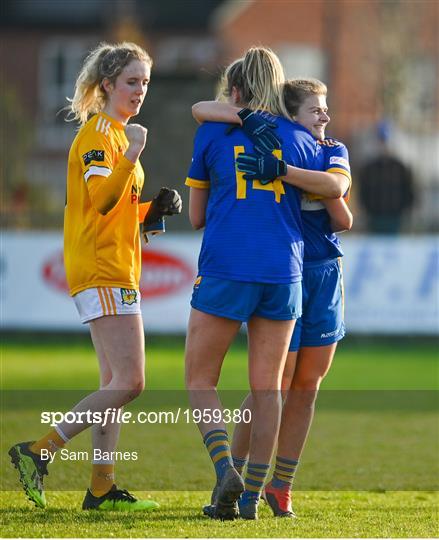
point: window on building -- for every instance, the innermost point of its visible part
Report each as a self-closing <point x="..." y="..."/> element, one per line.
<point x="419" y="101"/>
<point x="60" y="62"/>
<point x="303" y="61"/>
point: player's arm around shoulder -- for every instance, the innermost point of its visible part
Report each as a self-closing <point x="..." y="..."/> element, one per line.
<point x="325" y="184"/>
<point x="317" y="179"/>
<point x="333" y="181"/>
<point x="215" y="111"/>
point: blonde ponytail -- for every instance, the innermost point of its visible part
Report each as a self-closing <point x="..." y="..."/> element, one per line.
<point x="264" y="76"/>
<point x="259" y="77"/>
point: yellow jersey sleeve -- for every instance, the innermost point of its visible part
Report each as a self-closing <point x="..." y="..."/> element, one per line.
<point x="200" y="184"/>
<point x="96" y="154"/>
<point x="105" y="193"/>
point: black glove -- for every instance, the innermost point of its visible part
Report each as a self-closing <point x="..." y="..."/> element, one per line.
<point x="265" y="168"/>
<point x="167" y="203"/>
<point x="260" y="131"/>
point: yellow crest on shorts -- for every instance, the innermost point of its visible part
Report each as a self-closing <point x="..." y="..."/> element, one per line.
<point x="129" y="296"/>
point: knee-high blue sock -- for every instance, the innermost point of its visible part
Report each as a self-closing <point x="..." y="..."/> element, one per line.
<point x="284" y="471"/>
<point x="217" y="444"/>
<point x="254" y="481"/>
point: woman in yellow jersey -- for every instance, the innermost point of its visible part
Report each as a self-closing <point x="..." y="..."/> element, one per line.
<point x="102" y="256"/>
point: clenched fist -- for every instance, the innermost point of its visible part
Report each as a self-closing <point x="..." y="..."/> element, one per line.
<point x="136" y="135"/>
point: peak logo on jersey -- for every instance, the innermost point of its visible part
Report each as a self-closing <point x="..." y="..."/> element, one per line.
<point x="93" y="155"/>
<point x="128" y="296"/>
<point x="162" y="274"/>
<point x="336" y="160"/>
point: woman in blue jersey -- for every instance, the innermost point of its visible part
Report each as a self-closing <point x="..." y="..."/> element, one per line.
<point x="249" y="271"/>
<point x="321" y="326"/>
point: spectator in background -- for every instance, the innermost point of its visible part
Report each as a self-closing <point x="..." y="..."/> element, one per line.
<point x="386" y="187"/>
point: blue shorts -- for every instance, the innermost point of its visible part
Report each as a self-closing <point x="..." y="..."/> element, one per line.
<point x="240" y="300"/>
<point x="323" y="306"/>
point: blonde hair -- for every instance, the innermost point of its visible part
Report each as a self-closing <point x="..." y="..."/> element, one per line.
<point x="259" y="77"/>
<point x="297" y="90"/>
<point x="106" y="61"/>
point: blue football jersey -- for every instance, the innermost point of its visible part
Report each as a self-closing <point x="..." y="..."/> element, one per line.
<point x="320" y="241"/>
<point x="253" y="232"/>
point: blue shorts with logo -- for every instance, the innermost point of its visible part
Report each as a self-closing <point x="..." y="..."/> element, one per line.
<point x="323" y="306"/>
<point x="241" y="300"/>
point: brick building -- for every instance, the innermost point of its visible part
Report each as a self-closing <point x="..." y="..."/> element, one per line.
<point x="379" y="59"/>
<point x="372" y="54"/>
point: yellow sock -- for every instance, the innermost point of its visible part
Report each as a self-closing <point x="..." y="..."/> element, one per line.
<point x="102" y="478"/>
<point x="52" y="441"/>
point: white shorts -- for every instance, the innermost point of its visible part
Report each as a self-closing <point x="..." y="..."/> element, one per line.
<point x="101" y="301"/>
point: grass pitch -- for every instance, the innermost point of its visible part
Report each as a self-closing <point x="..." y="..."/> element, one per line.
<point x="368" y="446"/>
<point x="321" y="514"/>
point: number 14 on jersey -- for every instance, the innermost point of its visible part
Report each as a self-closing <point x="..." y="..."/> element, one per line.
<point x="241" y="184"/>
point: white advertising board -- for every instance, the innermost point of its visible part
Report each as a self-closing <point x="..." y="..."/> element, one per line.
<point x="391" y="283"/>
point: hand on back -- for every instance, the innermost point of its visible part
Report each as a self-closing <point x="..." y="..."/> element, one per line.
<point x="260" y="131"/>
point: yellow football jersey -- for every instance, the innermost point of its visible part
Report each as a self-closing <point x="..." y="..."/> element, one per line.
<point x="101" y="251"/>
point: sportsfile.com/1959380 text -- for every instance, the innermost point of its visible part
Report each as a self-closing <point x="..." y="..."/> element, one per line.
<point x="118" y="416"/>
